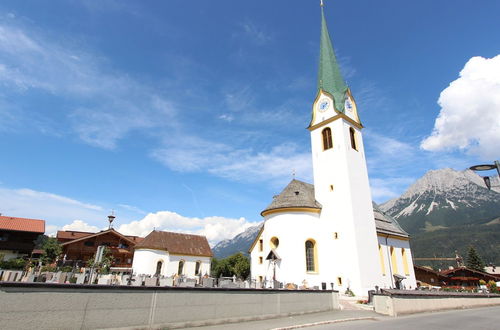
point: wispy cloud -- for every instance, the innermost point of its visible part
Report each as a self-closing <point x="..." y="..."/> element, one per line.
<point x="105" y="104"/>
<point x="256" y="33"/>
<point x="245" y="165"/>
<point x="56" y="209"/>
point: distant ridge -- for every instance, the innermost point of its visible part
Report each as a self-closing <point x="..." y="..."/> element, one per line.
<point x="240" y="243"/>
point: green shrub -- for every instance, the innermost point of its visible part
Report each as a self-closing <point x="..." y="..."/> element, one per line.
<point x="15" y="264"/>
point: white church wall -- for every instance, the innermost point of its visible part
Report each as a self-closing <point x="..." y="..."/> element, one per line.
<point x="189" y="265"/>
<point x="348" y="206"/>
<point x="146" y="260"/>
<point x="398" y="267"/>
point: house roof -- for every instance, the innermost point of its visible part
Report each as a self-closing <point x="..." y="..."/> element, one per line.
<point x="22" y="224"/>
<point x="109" y="231"/>
<point x="297" y="194"/>
<point x="71" y="234"/>
<point x="176" y="243"/>
<point x="451" y="272"/>
<point x="386" y="224"/>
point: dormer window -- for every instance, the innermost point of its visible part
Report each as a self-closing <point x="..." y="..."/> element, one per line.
<point x="327" y="138"/>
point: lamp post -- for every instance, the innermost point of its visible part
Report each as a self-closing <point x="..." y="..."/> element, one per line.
<point x="487" y="167"/>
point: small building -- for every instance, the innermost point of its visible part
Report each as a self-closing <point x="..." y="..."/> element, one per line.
<point x="427" y="276"/>
<point x="78" y="247"/>
<point x="466" y="277"/>
<point x="164" y="253"/>
<point x="18" y="235"/>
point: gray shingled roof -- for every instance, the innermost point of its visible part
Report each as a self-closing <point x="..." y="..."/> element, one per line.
<point x="296" y="194"/>
<point x="301" y="194"/>
<point x="386" y="224"/>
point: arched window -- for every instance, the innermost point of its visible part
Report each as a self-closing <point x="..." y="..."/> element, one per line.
<point x="327" y="138"/>
<point x="310" y="256"/>
<point x="181" y="267"/>
<point x="352" y="133"/>
<point x="274" y="242"/>
<point x="197" y="268"/>
<point x="159" y="264"/>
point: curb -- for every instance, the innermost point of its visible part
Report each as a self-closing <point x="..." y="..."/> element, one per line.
<point x="305" y="325"/>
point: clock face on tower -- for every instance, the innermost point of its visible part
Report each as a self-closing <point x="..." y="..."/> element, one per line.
<point x="348" y="105"/>
<point x="323" y="105"/>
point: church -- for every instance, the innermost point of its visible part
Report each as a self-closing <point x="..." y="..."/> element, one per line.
<point x="330" y="235"/>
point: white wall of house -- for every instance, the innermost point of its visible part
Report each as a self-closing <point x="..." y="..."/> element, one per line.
<point x="146" y="260"/>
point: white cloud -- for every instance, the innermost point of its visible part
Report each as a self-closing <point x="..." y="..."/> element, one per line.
<point x="244" y="165"/>
<point x="256" y="33"/>
<point x="79" y="225"/>
<point x="51" y="207"/>
<point x="214" y="228"/>
<point x="469" y="119"/>
<point x="106" y="104"/>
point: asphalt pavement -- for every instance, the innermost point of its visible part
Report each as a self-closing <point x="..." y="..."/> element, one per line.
<point x="486" y="318"/>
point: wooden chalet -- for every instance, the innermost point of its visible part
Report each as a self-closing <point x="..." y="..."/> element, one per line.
<point x="427" y="277"/>
<point x="17" y="236"/>
<point x="78" y="247"/>
<point x="466" y="277"/>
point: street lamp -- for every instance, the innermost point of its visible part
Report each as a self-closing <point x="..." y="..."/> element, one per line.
<point x="487" y="167"/>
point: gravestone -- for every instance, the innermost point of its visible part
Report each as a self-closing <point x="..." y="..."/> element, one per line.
<point x="168" y="281"/>
<point x="188" y="283"/>
<point x="55" y="278"/>
<point x="103" y="280"/>
<point x="80" y="278"/>
<point x="136" y="281"/>
<point x="150" y="281"/>
<point x="62" y="278"/>
<point x="6" y="276"/>
<point x="208" y="282"/>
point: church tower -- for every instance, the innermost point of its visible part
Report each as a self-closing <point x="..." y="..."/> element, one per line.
<point x="341" y="183"/>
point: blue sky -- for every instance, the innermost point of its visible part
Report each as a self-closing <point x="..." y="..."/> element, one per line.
<point x="191" y="115"/>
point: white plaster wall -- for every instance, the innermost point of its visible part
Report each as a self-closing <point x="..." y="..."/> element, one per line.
<point x="189" y="265"/>
<point x="145" y="261"/>
<point x="388" y="281"/>
<point x="293" y="229"/>
<point x="349" y="206"/>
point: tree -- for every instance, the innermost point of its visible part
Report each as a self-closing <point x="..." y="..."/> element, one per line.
<point x="235" y="265"/>
<point x="474" y="261"/>
<point x="51" y="250"/>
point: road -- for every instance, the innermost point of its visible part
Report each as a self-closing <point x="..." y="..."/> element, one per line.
<point x="487" y="318"/>
<point x="477" y="319"/>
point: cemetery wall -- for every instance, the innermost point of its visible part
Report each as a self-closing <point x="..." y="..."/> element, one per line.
<point x="50" y="306"/>
<point x="399" y="302"/>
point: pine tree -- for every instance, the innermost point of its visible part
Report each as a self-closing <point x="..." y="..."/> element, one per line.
<point x="474" y="261"/>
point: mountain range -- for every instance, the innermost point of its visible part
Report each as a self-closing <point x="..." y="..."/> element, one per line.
<point x="444" y="211"/>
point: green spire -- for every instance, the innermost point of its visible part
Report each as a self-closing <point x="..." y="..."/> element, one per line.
<point x="329" y="78"/>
